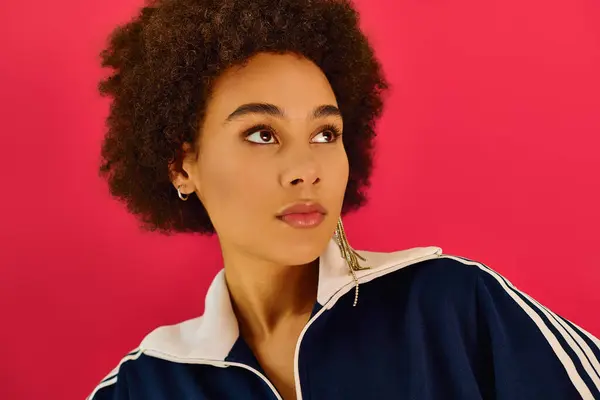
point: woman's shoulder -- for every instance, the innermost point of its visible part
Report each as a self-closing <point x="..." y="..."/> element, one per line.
<point x="157" y="353"/>
<point x="455" y="302"/>
<point x="439" y="283"/>
<point x="428" y="269"/>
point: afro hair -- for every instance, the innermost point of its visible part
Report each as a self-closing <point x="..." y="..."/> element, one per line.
<point x="162" y="65"/>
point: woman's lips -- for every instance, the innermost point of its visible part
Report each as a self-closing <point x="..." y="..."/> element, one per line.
<point x="303" y="214"/>
<point x="303" y="220"/>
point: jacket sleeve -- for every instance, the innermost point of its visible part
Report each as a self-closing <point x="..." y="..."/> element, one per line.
<point x="114" y="386"/>
<point x="531" y="352"/>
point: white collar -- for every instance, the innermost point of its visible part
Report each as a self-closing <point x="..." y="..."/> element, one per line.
<point x="211" y="336"/>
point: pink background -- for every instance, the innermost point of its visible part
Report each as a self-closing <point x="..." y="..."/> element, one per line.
<point x="488" y="149"/>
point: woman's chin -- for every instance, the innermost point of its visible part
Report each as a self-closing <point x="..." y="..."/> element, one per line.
<point x="299" y="252"/>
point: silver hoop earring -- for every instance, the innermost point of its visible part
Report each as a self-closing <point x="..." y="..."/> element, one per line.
<point x="349" y="255"/>
<point x="182" y="196"/>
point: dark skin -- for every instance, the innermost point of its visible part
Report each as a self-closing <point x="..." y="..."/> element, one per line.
<point x="245" y="176"/>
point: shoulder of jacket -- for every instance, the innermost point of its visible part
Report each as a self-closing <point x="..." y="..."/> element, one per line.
<point x="428" y="269"/>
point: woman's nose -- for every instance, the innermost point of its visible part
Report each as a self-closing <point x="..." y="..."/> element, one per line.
<point x="302" y="171"/>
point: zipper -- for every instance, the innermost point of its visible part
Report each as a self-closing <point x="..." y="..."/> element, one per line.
<point x="343" y="290"/>
<point x="297" y="351"/>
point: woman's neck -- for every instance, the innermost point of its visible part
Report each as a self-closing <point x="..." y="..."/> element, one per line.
<point x="266" y="296"/>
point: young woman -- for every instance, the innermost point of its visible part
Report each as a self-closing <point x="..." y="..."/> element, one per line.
<point x="255" y="120"/>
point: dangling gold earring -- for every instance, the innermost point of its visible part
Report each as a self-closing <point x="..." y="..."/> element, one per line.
<point x="349" y="255"/>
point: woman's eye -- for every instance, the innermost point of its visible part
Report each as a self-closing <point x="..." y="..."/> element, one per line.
<point x="261" y="137"/>
<point x="326" y="136"/>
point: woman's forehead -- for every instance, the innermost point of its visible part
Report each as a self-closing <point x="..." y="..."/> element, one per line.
<point x="288" y="81"/>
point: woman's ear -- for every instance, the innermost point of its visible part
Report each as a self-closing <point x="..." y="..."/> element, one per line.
<point x="183" y="170"/>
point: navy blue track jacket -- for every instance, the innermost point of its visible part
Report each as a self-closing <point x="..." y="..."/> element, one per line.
<point x="427" y="326"/>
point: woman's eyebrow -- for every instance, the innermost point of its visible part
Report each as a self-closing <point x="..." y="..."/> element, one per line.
<point x="272" y="110"/>
<point x="326" y="110"/>
<point x="256" y="108"/>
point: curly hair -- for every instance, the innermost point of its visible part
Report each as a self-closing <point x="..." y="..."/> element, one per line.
<point x="164" y="62"/>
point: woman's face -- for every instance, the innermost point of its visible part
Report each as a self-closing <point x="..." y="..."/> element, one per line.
<point x="269" y="140"/>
